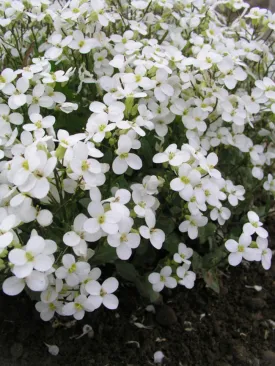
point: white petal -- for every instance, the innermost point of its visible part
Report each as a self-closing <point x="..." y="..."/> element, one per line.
<point x="13" y="286"/>
<point x="35" y="245"/>
<point x="69" y="309"/>
<point x="110" y="301"/>
<point x="231" y="245"/>
<point x="68" y="260"/>
<point x="93" y="288"/>
<point x="252" y="216"/>
<point x="110" y="285"/>
<point x="235" y="258"/>
<point x="43" y="262"/>
<point x="119" y="165"/>
<point x="18" y="257"/>
<point x="5" y="239"/>
<point x="96" y="301"/>
<point x="37" y="281"/>
<point x="71" y="239"/>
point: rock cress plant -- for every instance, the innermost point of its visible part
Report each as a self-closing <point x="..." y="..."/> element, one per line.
<point x="136" y="141"/>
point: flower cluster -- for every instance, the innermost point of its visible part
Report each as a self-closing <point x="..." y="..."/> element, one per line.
<point x="126" y="129"/>
<point x="245" y="248"/>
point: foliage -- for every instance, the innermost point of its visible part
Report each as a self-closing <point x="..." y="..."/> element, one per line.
<point x="136" y="141"/>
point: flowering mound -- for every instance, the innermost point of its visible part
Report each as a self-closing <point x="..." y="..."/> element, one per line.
<point x="128" y="128"/>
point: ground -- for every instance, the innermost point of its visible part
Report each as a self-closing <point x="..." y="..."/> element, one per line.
<point x="193" y="327"/>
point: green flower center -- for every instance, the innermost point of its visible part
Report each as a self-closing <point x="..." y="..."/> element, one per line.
<point x="185" y="180"/>
<point x="29" y="256"/>
<point x="25" y="165"/>
<point x="240" y="248"/>
<point x="78" y="306"/>
<point x="101" y="219"/>
<point x="124" y="156"/>
<point x="84" y="166"/>
<point x="72" y="269"/>
<point x="52" y="307"/>
<point x="123" y="238"/>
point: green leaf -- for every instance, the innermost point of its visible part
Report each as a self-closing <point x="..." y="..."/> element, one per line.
<point x="206" y="231"/>
<point x="166" y="224"/>
<point x="197" y="262"/>
<point x="212" y="281"/>
<point x="104" y="254"/>
<point x="213" y="258"/>
<point x="127" y="271"/>
<point x="146" y="290"/>
<point x="147" y="152"/>
<point x="171" y="243"/>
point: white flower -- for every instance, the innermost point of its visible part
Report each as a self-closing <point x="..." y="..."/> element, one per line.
<point x="207" y="57"/>
<point x="81" y="165"/>
<point x="221" y="214"/>
<point x="72" y="271"/>
<point x="196" y="120"/>
<point x="266" y="253"/>
<point x="68" y="107"/>
<point x="82" y="44"/>
<point x="188" y="178"/>
<point x="106" y="221"/>
<point x="38" y="122"/>
<point x="6" y="77"/>
<point x="231" y="74"/>
<point x="192" y="224"/>
<point x="122" y="43"/>
<point x="48" y="310"/>
<point x="125" y="240"/>
<point x="78" y="307"/>
<point x="98" y="125"/>
<point x="74" y="10"/>
<point x="240" y="250"/>
<point x="144" y="202"/>
<point x="183" y="254"/>
<point x="268" y="86"/>
<point x="103" y="294"/>
<point x="44" y="218"/>
<point x="78" y="236"/>
<point x="7" y="117"/>
<point x="138" y="79"/>
<point x="35" y="255"/>
<point x="162" y="279"/>
<point x="187" y="278"/>
<point x="17" y="94"/>
<point x="269" y="185"/>
<point x="208" y="164"/>
<point x="7" y="223"/>
<point x="236" y="193"/>
<point x="172" y="155"/>
<point x="36" y="281"/>
<point x="163" y="90"/>
<point x="254" y="226"/>
<point x="114" y="110"/>
<point x="55" y="77"/>
<point x="156" y="236"/>
<point x="39" y="98"/>
<point x="125" y="158"/>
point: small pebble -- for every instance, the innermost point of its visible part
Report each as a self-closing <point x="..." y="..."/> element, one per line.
<point x="53" y="349"/>
<point x="166" y="316"/>
<point x="16" y="350"/>
<point x="158" y="357"/>
<point x="268" y="358"/>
